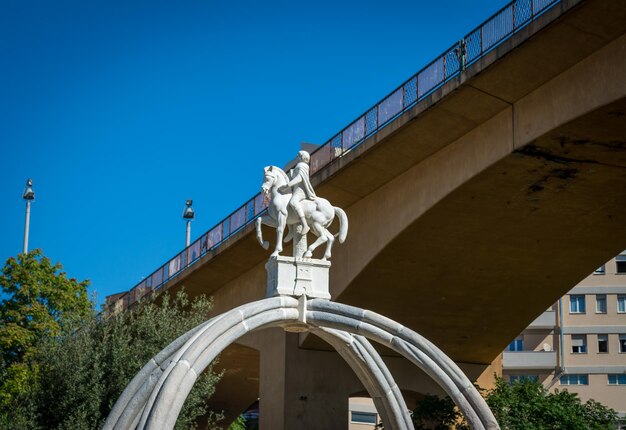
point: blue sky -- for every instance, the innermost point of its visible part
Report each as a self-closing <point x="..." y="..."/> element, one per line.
<point x="121" y="110"/>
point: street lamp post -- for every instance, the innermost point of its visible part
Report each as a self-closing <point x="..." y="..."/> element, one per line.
<point x="188" y="215"/>
<point x="28" y="196"/>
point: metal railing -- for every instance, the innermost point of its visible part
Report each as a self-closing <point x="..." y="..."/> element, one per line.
<point x="502" y="25"/>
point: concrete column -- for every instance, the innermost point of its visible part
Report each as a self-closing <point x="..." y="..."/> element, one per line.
<point x="272" y="379"/>
<point x="303" y="389"/>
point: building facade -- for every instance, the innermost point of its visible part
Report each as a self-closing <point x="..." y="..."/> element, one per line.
<point x="579" y="343"/>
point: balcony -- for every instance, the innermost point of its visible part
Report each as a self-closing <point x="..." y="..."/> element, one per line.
<point x="529" y="360"/>
<point x="546" y="320"/>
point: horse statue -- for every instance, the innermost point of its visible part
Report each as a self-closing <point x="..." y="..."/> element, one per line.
<point x="319" y="215"/>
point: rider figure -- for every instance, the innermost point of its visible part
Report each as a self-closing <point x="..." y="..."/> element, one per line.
<point x="301" y="187"/>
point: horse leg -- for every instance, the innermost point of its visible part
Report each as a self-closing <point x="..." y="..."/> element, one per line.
<point x="280" y="228"/>
<point x="321" y="238"/>
<point x="329" y="244"/>
<point x="289" y="234"/>
<point x="259" y="234"/>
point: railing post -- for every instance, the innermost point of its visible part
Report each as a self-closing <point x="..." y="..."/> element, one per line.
<point x="482" y="39"/>
<point x="513" y="15"/>
<point x="460" y="53"/>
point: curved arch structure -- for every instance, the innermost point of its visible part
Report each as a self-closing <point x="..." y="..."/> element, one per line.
<point x="154" y="398"/>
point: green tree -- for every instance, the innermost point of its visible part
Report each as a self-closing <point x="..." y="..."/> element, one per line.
<point x="238" y="424"/>
<point x="528" y="405"/>
<point x="523" y="405"/>
<point x="38" y="302"/>
<point x="61" y="367"/>
<point x="82" y="375"/>
<point x="437" y="413"/>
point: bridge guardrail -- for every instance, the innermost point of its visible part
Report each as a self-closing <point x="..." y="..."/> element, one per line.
<point x="484" y="38"/>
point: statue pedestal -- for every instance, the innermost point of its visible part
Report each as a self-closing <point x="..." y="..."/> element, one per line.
<point x="297" y="277"/>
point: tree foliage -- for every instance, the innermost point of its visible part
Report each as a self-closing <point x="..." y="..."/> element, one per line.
<point x="84" y="374"/>
<point x="38" y="302"/>
<point x="528" y="405"/>
<point x="238" y="424"/>
<point x="63" y="368"/>
<point x="523" y="405"/>
<point x="437" y="413"/>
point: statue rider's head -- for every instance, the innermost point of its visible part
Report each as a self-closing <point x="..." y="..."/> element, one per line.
<point x="304" y="156"/>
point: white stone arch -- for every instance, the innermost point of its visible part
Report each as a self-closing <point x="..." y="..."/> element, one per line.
<point x="155" y="396"/>
<point x="369" y="367"/>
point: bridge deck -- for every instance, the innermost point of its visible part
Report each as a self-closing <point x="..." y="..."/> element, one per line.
<point x="468" y="259"/>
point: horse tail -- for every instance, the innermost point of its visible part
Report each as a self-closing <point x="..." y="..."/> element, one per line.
<point x="343" y="224"/>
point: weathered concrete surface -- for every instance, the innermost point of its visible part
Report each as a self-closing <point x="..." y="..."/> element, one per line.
<point x="475" y="215"/>
<point x="499" y="177"/>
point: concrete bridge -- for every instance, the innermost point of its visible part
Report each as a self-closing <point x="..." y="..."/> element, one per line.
<point x="473" y="207"/>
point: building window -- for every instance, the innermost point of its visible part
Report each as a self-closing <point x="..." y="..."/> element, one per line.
<point x="622" y="343"/>
<point x="579" y="343"/>
<point x="600" y="303"/>
<point x="603" y="343"/>
<point x="621" y="303"/>
<point x="517" y="344"/>
<point x="522" y="378"/>
<point x="617" y="379"/>
<point x="600" y="270"/>
<point x="363" y="417"/>
<point x="620" y="263"/>
<point x="577" y="304"/>
<point x="574" y="379"/>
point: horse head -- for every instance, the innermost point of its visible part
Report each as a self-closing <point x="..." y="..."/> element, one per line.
<point x="268" y="180"/>
<point x="273" y="177"/>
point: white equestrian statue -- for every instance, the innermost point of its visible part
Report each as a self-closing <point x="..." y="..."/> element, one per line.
<point x="318" y="213"/>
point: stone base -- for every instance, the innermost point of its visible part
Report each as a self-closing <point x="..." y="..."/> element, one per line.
<point x="296" y="277"/>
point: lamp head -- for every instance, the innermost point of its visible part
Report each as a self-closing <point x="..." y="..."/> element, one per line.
<point x="29" y="194"/>
<point x="189" y="213"/>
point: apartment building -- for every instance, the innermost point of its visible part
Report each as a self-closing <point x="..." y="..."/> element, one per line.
<point x="362" y="414"/>
<point x="579" y="343"/>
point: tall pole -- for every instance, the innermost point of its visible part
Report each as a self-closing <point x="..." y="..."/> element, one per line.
<point x="28" y="196"/>
<point x="188" y="242"/>
<point x="26" y="227"/>
<point x="188" y="215"/>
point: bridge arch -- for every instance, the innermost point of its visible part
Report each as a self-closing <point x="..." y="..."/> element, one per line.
<point x="155" y="396"/>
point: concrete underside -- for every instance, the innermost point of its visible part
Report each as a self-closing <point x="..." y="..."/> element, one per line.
<point x="479" y="265"/>
<point x="474" y="211"/>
